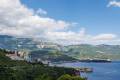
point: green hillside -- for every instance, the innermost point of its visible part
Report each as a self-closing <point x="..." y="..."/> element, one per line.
<point x="93" y="51"/>
<point x="22" y="70"/>
<point x="51" y="55"/>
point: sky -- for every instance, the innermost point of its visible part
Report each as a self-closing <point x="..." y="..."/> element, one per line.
<point x="62" y="21"/>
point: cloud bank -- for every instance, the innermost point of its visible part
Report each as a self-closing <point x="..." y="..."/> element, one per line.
<point x="114" y="3"/>
<point x="19" y="21"/>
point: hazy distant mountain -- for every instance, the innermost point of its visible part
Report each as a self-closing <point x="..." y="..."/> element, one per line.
<point x="81" y="51"/>
<point x="13" y="43"/>
<point x="51" y="55"/>
<point x="38" y="49"/>
<point x="93" y="51"/>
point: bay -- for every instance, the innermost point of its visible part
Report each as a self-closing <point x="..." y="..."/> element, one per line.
<point x="101" y="71"/>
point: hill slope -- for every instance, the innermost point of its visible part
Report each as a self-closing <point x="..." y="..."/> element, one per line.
<point x="93" y="51"/>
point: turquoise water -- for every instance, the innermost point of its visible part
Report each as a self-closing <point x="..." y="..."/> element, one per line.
<point x="101" y="71"/>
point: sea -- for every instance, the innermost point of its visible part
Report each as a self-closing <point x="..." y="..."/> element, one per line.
<point x="101" y="71"/>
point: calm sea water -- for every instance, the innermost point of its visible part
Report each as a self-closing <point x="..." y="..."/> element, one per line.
<point x="101" y="71"/>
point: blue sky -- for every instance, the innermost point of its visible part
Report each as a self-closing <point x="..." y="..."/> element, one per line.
<point x="62" y="21"/>
<point x="94" y="15"/>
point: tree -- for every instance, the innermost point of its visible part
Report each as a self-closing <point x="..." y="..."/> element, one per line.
<point x="43" y="77"/>
<point x="6" y="73"/>
<point x="68" y="77"/>
<point x="65" y="77"/>
<point x="77" y="78"/>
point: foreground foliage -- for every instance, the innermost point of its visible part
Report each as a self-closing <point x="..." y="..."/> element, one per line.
<point x="69" y="77"/>
<point x="21" y="70"/>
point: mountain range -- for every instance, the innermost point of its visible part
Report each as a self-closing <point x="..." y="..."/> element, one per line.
<point x="81" y="51"/>
<point x="86" y="51"/>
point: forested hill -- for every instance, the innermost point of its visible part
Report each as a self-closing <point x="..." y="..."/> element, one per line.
<point x="70" y="52"/>
<point x="22" y="70"/>
<point x="93" y="51"/>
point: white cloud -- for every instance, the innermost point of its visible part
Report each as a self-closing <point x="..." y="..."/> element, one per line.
<point x="114" y="3"/>
<point x="41" y="12"/>
<point x="18" y="20"/>
<point x="105" y="37"/>
<point x="69" y="36"/>
<point x="81" y="37"/>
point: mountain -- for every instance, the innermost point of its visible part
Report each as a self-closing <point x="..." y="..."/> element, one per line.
<point x="85" y="51"/>
<point x="14" y="43"/>
<point x="82" y="51"/>
<point x="22" y="70"/>
<point x="51" y="55"/>
<point x="37" y="48"/>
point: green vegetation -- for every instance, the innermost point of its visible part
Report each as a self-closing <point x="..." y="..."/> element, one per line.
<point x="58" y="52"/>
<point x="21" y="70"/>
<point x="51" y="55"/>
<point x="94" y="51"/>
<point x="68" y="77"/>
